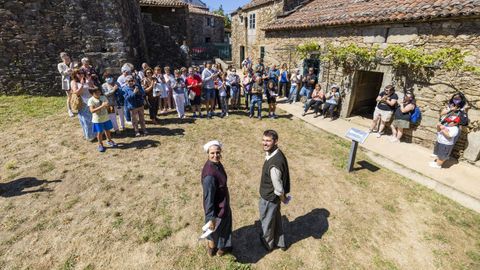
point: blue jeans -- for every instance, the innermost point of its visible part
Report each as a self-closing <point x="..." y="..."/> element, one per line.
<point x="210" y="93"/>
<point x="293" y="93"/>
<point x="256" y="100"/>
<point x="187" y="99"/>
<point x="85" y="117"/>
<point x="306" y="92"/>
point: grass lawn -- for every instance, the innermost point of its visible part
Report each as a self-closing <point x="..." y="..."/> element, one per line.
<point x="66" y="206"/>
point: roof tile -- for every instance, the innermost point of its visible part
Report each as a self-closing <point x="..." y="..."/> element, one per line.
<point x="341" y="12"/>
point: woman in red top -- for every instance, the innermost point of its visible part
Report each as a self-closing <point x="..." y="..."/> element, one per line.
<point x="194" y="84"/>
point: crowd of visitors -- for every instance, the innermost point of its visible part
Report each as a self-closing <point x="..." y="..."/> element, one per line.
<point x="160" y="90"/>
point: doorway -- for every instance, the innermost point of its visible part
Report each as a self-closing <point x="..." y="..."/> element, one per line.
<point x="242" y="54"/>
<point x="365" y="91"/>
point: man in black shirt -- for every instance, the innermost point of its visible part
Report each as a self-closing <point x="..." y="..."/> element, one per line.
<point x="386" y="104"/>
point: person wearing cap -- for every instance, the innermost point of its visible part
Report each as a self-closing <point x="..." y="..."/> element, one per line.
<point x="216" y="201"/>
<point x="134" y="100"/>
<point x="446" y="134"/>
<point x="332" y="99"/>
<point x="274" y="187"/>
<point x="386" y="104"/>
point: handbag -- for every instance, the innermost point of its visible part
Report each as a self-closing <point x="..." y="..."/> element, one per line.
<point x="192" y="95"/>
<point x="76" y="103"/>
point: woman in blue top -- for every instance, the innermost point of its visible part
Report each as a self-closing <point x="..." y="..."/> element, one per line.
<point x="283" y="80"/>
<point x="134" y="100"/>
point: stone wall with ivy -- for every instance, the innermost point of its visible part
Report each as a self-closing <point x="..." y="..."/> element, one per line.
<point x="429" y="37"/>
<point x="33" y="33"/>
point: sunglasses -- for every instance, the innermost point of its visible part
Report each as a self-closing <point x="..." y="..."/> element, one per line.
<point x="130" y="81"/>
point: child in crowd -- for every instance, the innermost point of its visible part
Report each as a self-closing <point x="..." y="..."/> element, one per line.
<point x="257" y="95"/>
<point x="98" y="105"/>
<point x="222" y="92"/>
<point x="445" y="141"/>
<point x="272" y="99"/>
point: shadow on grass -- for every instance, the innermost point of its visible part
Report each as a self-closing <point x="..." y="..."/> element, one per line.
<point x="176" y="120"/>
<point x="17" y="187"/>
<point x="140" y="144"/>
<point x="366" y="165"/>
<point x="162" y="131"/>
<point x="248" y="248"/>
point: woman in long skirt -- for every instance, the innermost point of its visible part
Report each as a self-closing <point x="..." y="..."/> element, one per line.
<point x="216" y="201"/>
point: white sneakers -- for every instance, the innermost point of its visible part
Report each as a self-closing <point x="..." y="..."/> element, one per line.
<point x="434" y="164"/>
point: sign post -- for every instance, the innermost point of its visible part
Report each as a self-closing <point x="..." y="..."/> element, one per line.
<point x="357" y="136"/>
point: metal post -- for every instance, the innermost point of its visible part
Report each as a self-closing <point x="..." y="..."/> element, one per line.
<point x="353" y="153"/>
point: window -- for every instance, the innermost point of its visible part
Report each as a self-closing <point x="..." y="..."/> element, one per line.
<point x="251" y="21"/>
<point x="262" y="52"/>
<point x="210" y="21"/>
<point x="207" y="40"/>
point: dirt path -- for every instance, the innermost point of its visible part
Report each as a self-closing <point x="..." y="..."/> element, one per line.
<point x="139" y="207"/>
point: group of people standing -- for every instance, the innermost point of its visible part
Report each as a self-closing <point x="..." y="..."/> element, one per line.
<point x="403" y="113"/>
<point x="274" y="189"/>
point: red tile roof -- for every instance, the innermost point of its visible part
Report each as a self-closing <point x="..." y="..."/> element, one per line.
<point x="198" y="10"/>
<point x="162" y="3"/>
<point x="346" y="12"/>
<point x="255" y="3"/>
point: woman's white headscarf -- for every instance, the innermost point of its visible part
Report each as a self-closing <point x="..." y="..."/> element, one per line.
<point x="211" y="143"/>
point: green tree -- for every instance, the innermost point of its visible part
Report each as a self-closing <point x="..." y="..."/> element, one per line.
<point x="226" y="18"/>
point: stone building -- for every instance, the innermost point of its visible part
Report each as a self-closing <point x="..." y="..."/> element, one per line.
<point x="33" y="33"/>
<point x="186" y="20"/>
<point x="430" y="24"/>
<point x="206" y="27"/>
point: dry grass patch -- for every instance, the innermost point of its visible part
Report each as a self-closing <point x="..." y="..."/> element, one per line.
<point x="139" y="206"/>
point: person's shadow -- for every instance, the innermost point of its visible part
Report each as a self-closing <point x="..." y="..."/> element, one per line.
<point x="17" y="187"/>
<point x="247" y="247"/>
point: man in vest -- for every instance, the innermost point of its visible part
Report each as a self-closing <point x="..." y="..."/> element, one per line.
<point x="274" y="187"/>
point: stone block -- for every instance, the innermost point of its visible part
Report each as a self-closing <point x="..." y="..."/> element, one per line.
<point x="472" y="153"/>
<point x="402" y="35"/>
<point x="374" y="35"/>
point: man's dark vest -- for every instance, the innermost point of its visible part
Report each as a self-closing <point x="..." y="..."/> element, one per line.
<point x="222" y="199"/>
<point x="278" y="161"/>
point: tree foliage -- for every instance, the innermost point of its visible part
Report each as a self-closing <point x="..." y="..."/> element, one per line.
<point x="226" y="18"/>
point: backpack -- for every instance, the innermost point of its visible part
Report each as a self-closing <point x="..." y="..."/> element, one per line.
<point x="416" y="116"/>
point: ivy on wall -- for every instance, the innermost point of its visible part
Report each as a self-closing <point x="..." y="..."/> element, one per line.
<point x="409" y="62"/>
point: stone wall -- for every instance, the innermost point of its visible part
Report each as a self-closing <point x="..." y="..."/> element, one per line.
<point x="253" y="40"/>
<point x="431" y="96"/>
<point x="33" y="33"/>
<point x="174" y="18"/>
<point x="200" y="30"/>
<point x="162" y="48"/>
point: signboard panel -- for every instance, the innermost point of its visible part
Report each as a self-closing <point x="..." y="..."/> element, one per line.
<point x="357" y="135"/>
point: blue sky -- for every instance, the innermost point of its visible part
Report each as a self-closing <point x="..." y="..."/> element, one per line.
<point x="228" y="5"/>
